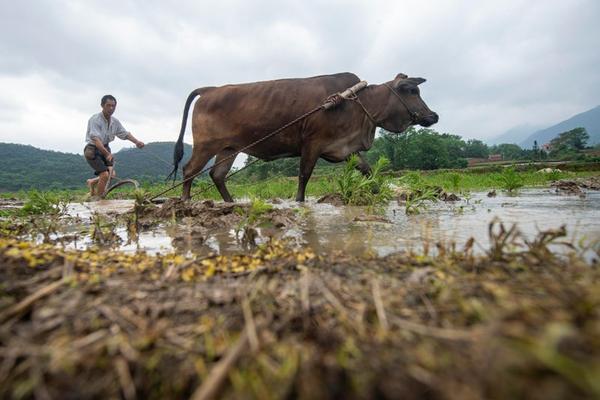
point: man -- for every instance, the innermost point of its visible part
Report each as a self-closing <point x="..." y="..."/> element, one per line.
<point x="102" y="129"/>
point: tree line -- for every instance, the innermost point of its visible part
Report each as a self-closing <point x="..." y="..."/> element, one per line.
<point x="25" y="167"/>
<point x="427" y="149"/>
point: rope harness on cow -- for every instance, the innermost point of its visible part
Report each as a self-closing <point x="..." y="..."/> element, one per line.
<point x="414" y="116"/>
<point x="300" y="118"/>
<point x="331" y="101"/>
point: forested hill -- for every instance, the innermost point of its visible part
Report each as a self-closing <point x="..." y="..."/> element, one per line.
<point x="590" y="120"/>
<point x="26" y="167"/>
<point x="151" y="164"/>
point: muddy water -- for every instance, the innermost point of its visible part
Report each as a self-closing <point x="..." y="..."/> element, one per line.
<point x="532" y="210"/>
<point x="86" y="210"/>
<point x="153" y="241"/>
<point x="327" y="228"/>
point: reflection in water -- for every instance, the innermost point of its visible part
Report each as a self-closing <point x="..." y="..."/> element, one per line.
<point x="326" y="228"/>
<point x="533" y="210"/>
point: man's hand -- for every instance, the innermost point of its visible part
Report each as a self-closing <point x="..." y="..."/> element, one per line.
<point x="109" y="157"/>
<point x="138" y="143"/>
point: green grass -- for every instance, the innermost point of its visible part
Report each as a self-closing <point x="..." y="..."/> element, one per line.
<point x="25" y="195"/>
<point x="493" y="180"/>
<point x="511" y="180"/>
<point x="285" y="187"/>
<point x="357" y="189"/>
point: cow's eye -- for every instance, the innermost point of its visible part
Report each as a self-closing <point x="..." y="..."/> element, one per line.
<point x="414" y="91"/>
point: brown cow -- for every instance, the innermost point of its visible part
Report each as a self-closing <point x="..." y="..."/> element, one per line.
<point x="228" y="118"/>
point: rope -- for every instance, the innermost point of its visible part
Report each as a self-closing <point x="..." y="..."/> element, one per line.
<point x="327" y="174"/>
<point x="200" y="191"/>
<point x="414" y="116"/>
<point x="331" y="101"/>
<point x="357" y="100"/>
<point x="157" y="157"/>
<point x="300" y="118"/>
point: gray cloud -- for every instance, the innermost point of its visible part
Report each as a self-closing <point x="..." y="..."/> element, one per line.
<point x="490" y="65"/>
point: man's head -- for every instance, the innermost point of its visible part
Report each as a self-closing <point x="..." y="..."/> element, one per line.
<point x="108" y="104"/>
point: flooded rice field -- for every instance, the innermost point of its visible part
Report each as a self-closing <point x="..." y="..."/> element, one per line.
<point x="115" y="299"/>
<point x="354" y="231"/>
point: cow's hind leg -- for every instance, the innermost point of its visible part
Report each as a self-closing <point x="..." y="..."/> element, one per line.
<point x="219" y="172"/>
<point x="195" y="165"/>
<point x="308" y="159"/>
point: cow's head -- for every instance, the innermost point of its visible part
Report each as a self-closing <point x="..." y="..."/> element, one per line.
<point x="405" y="107"/>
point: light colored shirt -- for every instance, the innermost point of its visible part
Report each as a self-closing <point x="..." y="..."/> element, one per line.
<point x="99" y="127"/>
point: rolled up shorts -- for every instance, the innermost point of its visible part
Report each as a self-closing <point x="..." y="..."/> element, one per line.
<point x="96" y="159"/>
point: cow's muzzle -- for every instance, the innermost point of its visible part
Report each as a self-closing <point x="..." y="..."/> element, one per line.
<point x="429" y="120"/>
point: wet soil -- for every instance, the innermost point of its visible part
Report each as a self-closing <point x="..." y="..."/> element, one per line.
<point x="245" y="300"/>
<point x="335" y="199"/>
<point x="576" y="186"/>
<point x="285" y="322"/>
<point x="10" y="203"/>
<point x="209" y="214"/>
<point x="436" y="192"/>
<point x="208" y="227"/>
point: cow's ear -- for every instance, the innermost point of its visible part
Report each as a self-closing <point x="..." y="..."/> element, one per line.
<point x="416" y="81"/>
<point x="398" y="80"/>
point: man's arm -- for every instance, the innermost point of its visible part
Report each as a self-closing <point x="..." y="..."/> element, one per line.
<point x="123" y="134"/>
<point x="132" y="139"/>
<point x="102" y="149"/>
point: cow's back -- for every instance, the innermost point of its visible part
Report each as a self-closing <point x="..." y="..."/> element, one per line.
<point x="262" y="106"/>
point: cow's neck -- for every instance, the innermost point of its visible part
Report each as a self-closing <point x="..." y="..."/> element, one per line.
<point x="373" y="99"/>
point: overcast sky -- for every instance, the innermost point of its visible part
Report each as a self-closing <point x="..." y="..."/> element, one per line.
<point x="489" y="65"/>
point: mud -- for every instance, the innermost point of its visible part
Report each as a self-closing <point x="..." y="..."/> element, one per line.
<point x="10" y="203"/>
<point x="206" y="228"/>
<point x="335" y="199"/>
<point x="576" y="186"/>
<point x="327" y="228"/>
<point x="209" y="214"/>
<point x="284" y="322"/>
<point x="435" y="192"/>
<point x="282" y="300"/>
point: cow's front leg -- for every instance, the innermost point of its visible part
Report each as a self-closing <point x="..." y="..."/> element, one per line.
<point x="308" y="159"/>
<point x="363" y="166"/>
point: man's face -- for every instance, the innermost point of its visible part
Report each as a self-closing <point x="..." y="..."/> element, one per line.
<point x="109" y="107"/>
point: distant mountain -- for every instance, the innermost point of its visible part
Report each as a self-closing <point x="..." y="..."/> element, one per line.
<point x="514" y="135"/>
<point x="590" y="120"/>
<point x="26" y="167"/>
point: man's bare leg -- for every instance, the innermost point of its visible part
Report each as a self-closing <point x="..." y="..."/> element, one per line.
<point x="102" y="181"/>
<point x="91" y="184"/>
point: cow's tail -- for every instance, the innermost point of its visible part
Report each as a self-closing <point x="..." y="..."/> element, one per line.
<point x="178" y="153"/>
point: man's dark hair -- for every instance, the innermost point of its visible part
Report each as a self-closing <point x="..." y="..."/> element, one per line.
<point x="107" y="97"/>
